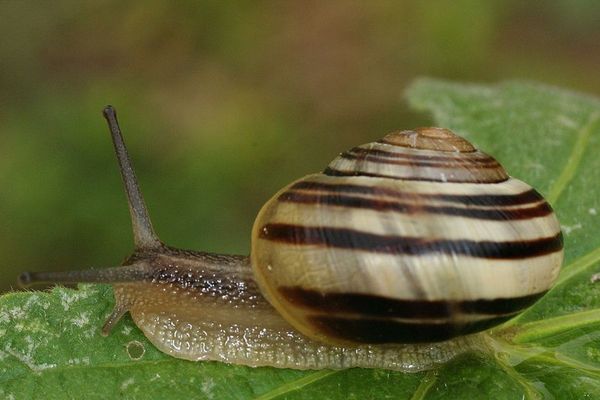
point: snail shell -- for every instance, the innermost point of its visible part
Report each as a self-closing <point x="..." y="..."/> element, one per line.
<point x="390" y="258"/>
<point x="418" y="237"/>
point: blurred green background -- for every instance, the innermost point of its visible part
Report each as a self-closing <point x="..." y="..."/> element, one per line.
<point x="222" y="103"/>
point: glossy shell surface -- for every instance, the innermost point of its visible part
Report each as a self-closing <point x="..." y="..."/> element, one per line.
<point x="418" y="237"/>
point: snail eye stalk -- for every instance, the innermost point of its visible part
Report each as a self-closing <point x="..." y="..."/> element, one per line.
<point x="143" y="232"/>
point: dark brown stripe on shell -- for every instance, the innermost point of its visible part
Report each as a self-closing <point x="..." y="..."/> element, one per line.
<point x="345" y="238"/>
<point x="334" y="172"/>
<point x="341" y="200"/>
<point x="380" y="306"/>
<point x="530" y="196"/>
<point x="393" y="331"/>
<point x="362" y="153"/>
<point x="450" y="164"/>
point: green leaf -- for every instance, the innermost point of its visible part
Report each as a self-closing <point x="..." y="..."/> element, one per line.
<point x="50" y="343"/>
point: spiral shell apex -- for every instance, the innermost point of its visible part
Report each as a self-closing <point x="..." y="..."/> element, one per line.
<point x="417" y="237"/>
<point x="423" y="154"/>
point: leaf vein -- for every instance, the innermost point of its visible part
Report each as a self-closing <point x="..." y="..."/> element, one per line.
<point x="529" y="391"/>
<point x="579" y="265"/>
<point x="546" y="327"/>
<point x="296" y="384"/>
<point x="574" y="159"/>
<point x="426" y="384"/>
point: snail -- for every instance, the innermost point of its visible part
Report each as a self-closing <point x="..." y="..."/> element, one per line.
<point x="393" y="257"/>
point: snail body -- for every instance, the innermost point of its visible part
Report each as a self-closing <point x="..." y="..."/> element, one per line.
<point x="391" y="258"/>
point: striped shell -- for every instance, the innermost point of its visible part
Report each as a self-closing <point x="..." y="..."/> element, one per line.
<point x="417" y="237"/>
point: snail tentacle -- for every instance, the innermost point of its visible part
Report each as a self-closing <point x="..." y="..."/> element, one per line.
<point x="143" y="232"/>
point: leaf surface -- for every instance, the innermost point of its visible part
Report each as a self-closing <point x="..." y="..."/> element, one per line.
<point x="51" y="348"/>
